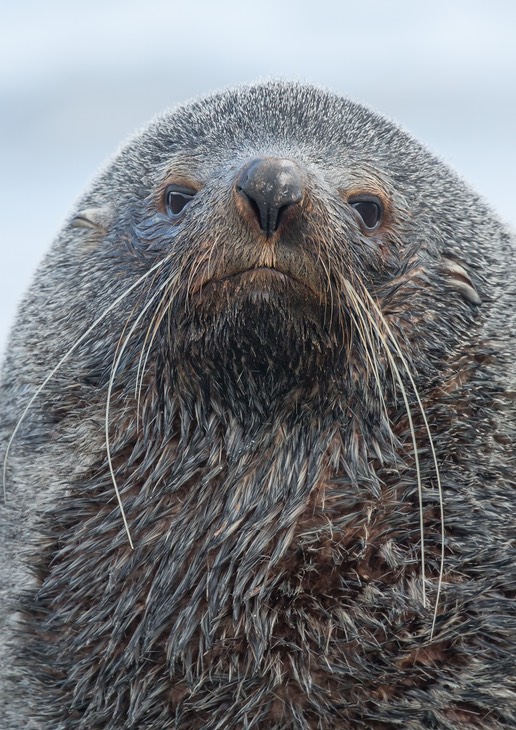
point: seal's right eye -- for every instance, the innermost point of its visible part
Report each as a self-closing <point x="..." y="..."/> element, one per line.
<point x="370" y="210"/>
<point x="177" y="198"/>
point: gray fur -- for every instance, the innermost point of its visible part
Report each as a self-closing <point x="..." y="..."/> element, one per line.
<point x="275" y="580"/>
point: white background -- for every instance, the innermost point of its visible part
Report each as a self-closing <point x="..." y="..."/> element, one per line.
<point x="77" y="77"/>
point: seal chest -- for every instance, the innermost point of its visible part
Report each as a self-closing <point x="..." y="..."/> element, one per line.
<point x="258" y="438"/>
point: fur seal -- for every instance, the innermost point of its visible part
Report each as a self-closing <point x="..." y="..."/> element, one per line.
<point x="258" y="432"/>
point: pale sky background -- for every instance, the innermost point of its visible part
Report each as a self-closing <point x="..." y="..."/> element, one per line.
<point x="77" y="77"/>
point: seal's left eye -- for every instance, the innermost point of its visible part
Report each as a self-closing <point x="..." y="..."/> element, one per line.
<point x="176" y="198"/>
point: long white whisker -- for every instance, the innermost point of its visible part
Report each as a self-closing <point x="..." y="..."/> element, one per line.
<point x="413" y="437"/>
<point x="64" y="358"/>
<point x="148" y="341"/>
<point x="366" y="335"/>
<point x="116" y="363"/>
<point x="434" y="458"/>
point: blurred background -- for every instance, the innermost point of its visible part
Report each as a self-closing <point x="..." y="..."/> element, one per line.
<point x="78" y="77"/>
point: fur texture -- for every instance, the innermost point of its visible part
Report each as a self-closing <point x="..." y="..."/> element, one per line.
<point x="265" y="400"/>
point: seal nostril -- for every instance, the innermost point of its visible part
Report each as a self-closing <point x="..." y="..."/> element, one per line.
<point x="254" y="207"/>
<point x="281" y="212"/>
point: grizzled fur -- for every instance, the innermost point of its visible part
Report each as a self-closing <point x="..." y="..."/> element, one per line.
<point x="261" y="442"/>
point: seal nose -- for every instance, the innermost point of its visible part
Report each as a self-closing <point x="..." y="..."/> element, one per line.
<point x="268" y="187"/>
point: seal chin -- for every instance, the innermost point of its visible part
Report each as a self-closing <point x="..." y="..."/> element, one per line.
<point x="256" y="330"/>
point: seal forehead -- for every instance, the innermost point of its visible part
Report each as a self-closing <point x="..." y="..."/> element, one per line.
<point x="286" y="117"/>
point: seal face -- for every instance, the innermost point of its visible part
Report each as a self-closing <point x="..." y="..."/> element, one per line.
<point x="258" y="427"/>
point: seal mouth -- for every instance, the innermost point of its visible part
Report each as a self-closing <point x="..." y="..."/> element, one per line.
<point x="263" y="279"/>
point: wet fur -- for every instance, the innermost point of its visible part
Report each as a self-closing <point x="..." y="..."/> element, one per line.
<point x="261" y="440"/>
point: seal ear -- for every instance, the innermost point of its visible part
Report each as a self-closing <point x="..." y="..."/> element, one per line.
<point x="461" y="280"/>
<point x="98" y="219"/>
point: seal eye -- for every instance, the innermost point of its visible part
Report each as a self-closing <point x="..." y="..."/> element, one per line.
<point x="177" y="198"/>
<point x="369" y="209"/>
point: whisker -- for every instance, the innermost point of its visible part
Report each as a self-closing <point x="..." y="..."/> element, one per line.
<point x="365" y="333"/>
<point x="199" y="262"/>
<point x="114" y="368"/>
<point x="152" y="330"/>
<point x="61" y="362"/>
<point x="396" y="371"/>
<point x="329" y="289"/>
<point x="434" y="458"/>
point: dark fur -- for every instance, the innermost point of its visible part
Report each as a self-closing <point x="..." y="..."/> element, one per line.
<point x="269" y="487"/>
